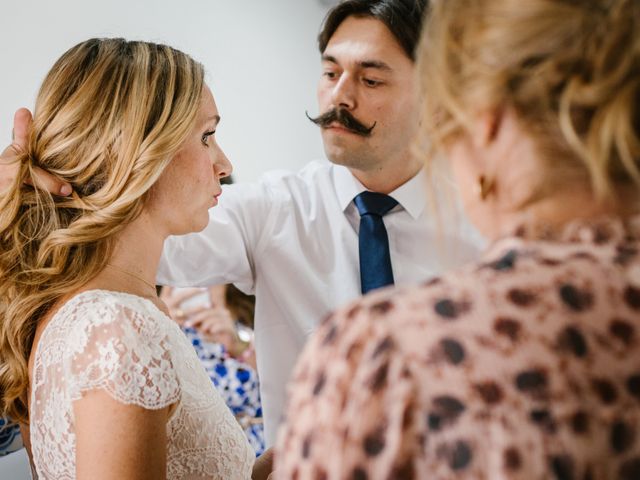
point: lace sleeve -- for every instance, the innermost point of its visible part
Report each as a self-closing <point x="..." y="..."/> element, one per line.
<point x="124" y="352"/>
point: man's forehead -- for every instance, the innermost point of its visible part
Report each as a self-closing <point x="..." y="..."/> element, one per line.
<point x="364" y="40"/>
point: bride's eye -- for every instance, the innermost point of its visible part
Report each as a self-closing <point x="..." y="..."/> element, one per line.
<point x="205" y="137"/>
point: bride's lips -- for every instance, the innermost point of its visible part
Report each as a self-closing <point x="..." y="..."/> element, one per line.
<point x="214" y="199"/>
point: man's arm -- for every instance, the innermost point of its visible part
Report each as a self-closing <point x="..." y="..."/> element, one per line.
<point x="10" y="158"/>
<point x="230" y="246"/>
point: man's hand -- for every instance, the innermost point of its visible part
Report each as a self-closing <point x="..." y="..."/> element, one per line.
<point x="9" y="165"/>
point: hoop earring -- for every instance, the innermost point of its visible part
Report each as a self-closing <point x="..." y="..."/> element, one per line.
<point x="484" y="187"/>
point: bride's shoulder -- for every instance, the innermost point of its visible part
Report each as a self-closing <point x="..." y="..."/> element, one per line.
<point x="114" y="341"/>
<point x="103" y="307"/>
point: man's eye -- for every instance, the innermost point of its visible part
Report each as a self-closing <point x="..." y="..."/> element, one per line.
<point x="330" y="75"/>
<point x="371" y="83"/>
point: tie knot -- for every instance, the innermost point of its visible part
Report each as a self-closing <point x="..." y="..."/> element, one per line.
<point x="374" y="203"/>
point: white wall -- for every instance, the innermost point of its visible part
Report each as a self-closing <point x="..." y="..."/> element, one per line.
<point x="260" y="55"/>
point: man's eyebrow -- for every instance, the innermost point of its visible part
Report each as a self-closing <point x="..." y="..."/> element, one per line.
<point x="329" y="58"/>
<point x="377" y="64"/>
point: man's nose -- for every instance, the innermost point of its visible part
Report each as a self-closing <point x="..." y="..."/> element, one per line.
<point x="343" y="94"/>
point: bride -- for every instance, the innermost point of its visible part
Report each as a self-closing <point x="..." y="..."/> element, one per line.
<point x="108" y="384"/>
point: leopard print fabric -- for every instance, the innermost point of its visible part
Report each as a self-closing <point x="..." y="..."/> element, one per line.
<point x="523" y="366"/>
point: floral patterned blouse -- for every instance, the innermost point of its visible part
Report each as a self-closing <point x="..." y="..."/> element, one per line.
<point x="10" y="438"/>
<point x="523" y="366"/>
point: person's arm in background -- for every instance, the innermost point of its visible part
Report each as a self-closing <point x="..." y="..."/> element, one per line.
<point x="213" y="322"/>
<point x="263" y="468"/>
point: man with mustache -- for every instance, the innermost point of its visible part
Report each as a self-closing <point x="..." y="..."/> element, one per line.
<point x="308" y="242"/>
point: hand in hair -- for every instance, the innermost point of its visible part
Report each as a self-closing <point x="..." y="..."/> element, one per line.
<point x="9" y="159"/>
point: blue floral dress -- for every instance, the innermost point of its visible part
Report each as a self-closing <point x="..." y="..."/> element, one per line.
<point x="10" y="438"/>
<point x="238" y="384"/>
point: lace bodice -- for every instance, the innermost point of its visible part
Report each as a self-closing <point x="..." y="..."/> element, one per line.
<point x="124" y="345"/>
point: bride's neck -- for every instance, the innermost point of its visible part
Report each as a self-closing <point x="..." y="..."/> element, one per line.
<point x="134" y="261"/>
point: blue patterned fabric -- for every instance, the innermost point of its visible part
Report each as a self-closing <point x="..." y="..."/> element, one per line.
<point x="238" y="384"/>
<point x="10" y="438"/>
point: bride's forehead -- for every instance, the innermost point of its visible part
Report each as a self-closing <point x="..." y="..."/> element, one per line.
<point x="208" y="109"/>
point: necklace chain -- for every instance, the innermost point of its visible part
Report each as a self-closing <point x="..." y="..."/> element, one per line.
<point x="131" y="274"/>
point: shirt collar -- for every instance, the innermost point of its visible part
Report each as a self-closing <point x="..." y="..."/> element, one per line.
<point x="411" y="195"/>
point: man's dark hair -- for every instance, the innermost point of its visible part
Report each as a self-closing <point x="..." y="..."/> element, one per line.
<point x="402" y="17"/>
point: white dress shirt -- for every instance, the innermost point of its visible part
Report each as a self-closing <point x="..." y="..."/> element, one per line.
<point x="292" y="240"/>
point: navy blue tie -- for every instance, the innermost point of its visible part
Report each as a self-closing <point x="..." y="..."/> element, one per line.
<point x="375" y="260"/>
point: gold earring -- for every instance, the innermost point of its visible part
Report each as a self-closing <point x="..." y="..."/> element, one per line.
<point x="485" y="187"/>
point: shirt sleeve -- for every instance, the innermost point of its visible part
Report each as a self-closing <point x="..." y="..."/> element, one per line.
<point x="226" y="250"/>
<point x="348" y="403"/>
<point x="122" y="352"/>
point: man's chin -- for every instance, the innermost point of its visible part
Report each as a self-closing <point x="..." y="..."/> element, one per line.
<point x="343" y="156"/>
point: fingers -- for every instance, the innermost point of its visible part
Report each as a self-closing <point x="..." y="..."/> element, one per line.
<point x="186" y="293"/>
<point x="46" y="181"/>
<point x="21" y="125"/>
<point x="22" y="122"/>
<point x="263" y="466"/>
<point x="210" y="319"/>
<point x="214" y="330"/>
<point x="19" y="137"/>
<point x="197" y="296"/>
<point x="165" y="294"/>
<point x="191" y="313"/>
<point x="184" y="317"/>
<point x="173" y="298"/>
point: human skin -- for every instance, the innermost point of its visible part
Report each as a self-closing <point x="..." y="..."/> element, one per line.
<point x="132" y="440"/>
<point x="366" y="72"/>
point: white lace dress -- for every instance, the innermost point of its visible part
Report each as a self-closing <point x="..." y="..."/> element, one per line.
<point x="122" y="344"/>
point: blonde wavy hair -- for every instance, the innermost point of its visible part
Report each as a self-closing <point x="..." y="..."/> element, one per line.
<point x="569" y="68"/>
<point x="109" y="117"/>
